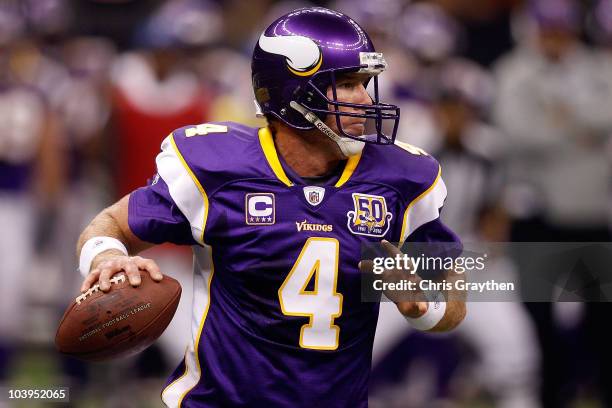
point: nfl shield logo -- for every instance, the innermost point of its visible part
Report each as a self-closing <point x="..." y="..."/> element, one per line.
<point x="314" y="195"/>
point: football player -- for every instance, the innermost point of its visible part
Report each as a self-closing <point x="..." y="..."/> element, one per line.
<point x="284" y="209"/>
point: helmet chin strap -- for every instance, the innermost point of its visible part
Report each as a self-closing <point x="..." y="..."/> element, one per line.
<point x="348" y="147"/>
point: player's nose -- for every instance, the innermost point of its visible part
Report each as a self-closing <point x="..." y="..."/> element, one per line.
<point x="362" y="96"/>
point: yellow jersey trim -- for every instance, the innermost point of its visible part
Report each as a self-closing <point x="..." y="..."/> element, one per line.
<point x="267" y="144"/>
<point x="178" y="379"/>
<point x="349" y="169"/>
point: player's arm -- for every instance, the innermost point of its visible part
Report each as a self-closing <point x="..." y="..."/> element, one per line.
<point x="447" y="310"/>
<point x="441" y="311"/>
<point x="455" y="306"/>
<point x="168" y="209"/>
<point x="112" y="222"/>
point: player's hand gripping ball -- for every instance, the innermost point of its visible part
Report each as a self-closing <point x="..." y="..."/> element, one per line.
<point x="119" y="322"/>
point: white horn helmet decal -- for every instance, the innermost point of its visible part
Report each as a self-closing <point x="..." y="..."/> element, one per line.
<point x="302" y="54"/>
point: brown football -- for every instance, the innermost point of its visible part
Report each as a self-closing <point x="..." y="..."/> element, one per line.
<point x="101" y="326"/>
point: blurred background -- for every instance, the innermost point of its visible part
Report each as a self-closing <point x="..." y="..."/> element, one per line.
<point x="513" y="97"/>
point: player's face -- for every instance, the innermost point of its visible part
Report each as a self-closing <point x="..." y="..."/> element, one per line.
<point x="349" y="88"/>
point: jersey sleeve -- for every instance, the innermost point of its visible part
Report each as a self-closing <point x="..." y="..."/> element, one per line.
<point x="154" y="217"/>
<point x="422" y="210"/>
<point x="175" y="207"/>
<point x="434" y="231"/>
<point x="433" y="239"/>
<point x="423" y="232"/>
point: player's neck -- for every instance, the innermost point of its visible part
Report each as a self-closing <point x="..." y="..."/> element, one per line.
<point x="309" y="154"/>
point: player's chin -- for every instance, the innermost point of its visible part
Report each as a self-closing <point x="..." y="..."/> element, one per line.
<point x="354" y="129"/>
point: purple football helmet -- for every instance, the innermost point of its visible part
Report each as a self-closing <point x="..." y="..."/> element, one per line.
<point x="300" y="55"/>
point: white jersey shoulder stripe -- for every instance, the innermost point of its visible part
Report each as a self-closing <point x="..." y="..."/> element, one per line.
<point x="175" y="392"/>
<point x="185" y="189"/>
<point x="424" y="208"/>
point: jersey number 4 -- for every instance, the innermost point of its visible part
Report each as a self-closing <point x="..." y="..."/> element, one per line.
<point x="322" y="304"/>
<point x="204" y="129"/>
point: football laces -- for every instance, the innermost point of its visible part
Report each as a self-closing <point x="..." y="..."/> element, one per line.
<point x="95" y="288"/>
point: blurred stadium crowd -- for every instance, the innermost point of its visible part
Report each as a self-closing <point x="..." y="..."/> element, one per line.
<point x="514" y="98"/>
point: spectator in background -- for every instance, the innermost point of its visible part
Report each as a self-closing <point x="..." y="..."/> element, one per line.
<point x="499" y="330"/>
<point x="469" y="145"/>
<point x="556" y="115"/>
<point x="486" y="26"/>
<point x="443" y="101"/>
<point x="599" y="25"/>
<point x="600" y="30"/>
<point x="31" y="179"/>
<point x="428" y="37"/>
<point x="83" y="106"/>
<point x="56" y="69"/>
<point x="154" y="88"/>
<point x="231" y="86"/>
<point x="151" y="93"/>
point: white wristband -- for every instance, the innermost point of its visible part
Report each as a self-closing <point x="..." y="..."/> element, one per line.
<point x="433" y="315"/>
<point x="95" y="246"/>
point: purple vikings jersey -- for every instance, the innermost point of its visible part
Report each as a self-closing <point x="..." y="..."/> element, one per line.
<point x="278" y="320"/>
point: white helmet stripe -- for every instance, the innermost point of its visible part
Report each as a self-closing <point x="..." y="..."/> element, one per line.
<point x="302" y="53"/>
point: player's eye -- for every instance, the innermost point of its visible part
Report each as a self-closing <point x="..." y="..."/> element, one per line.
<point x="346" y="85"/>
